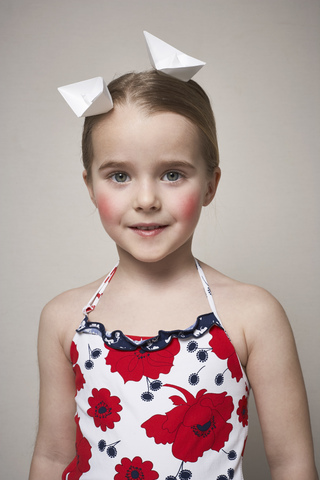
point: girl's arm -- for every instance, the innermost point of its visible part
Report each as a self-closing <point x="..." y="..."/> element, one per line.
<point x="55" y="445"/>
<point x="275" y="375"/>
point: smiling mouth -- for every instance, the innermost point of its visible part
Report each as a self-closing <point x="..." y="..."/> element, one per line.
<point x="148" y="230"/>
<point x="149" y="227"/>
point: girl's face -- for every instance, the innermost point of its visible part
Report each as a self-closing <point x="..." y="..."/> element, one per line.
<point x="149" y="181"/>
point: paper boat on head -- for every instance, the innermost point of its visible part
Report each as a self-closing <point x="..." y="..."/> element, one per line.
<point x="169" y="60"/>
<point x="87" y="98"/>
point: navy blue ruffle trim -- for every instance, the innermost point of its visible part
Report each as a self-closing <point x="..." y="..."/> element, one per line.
<point x="119" y="341"/>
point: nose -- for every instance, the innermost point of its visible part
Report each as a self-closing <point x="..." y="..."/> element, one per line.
<point x="146" y="197"/>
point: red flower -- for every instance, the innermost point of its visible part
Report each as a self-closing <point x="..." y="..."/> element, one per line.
<point x="133" y="365"/>
<point x="74" y="355"/>
<point x="242" y="410"/>
<point x="193" y="426"/>
<point x="135" y="469"/>
<point x="223" y="348"/>
<point x="80" y="463"/>
<point x="80" y="381"/>
<point x="104" y="408"/>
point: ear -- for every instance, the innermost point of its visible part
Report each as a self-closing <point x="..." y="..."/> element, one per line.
<point x="212" y="186"/>
<point x="89" y="186"/>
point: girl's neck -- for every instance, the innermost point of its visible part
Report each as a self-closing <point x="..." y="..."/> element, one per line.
<point x="178" y="264"/>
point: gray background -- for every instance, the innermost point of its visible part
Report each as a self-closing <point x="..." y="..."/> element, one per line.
<point x="263" y="78"/>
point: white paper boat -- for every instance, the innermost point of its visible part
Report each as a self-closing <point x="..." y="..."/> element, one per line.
<point x="87" y="98"/>
<point x="171" y="61"/>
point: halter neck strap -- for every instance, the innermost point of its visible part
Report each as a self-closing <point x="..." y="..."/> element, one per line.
<point x="207" y="289"/>
<point x="93" y="302"/>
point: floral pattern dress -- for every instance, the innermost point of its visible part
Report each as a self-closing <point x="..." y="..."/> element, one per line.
<point x="171" y="407"/>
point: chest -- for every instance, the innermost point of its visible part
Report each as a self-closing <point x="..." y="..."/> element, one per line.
<point x="146" y="318"/>
<point x="181" y="355"/>
<point x="144" y="312"/>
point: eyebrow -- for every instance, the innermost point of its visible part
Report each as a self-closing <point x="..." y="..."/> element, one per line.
<point x="118" y="164"/>
<point x="177" y="164"/>
<point x="113" y="164"/>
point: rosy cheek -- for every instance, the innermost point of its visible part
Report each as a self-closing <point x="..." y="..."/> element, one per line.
<point x="189" y="207"/>
<point x="106" y="208"/>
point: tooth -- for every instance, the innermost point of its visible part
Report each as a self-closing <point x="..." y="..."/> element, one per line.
<point x="155" y="227"/>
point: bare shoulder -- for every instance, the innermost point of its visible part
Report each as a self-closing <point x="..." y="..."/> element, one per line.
<point x="250" y="314"/>
<point x="255" y="302"/>
<point x="63" y="314"/>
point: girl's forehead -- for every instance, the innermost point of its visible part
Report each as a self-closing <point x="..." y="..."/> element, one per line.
<point x="130" y="132"/>
<point x="131" y="119"/>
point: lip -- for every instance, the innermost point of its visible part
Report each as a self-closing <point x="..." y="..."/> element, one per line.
<point x="148" y="229"/>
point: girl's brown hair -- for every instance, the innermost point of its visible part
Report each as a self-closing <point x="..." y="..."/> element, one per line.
<point x="154" y="93"/>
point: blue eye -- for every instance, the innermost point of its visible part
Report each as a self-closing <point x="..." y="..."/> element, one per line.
<point x="172" y="176"/>
<point x="120" y="177"/>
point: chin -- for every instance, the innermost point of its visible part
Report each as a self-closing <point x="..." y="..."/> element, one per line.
<point x="150" y="258"/>
<point x="145" y="257"/>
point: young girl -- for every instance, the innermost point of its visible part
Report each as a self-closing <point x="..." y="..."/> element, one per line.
<point x="154" y="382"/>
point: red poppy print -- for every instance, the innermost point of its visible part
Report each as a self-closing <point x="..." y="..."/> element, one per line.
<point x="80" y="463"/>
<point x="133" y="365"/>
<point x="135" y="469"/>
<point x="104" y="408"/>
<point x="195" y="425"/>
<point x="74" y="355"/>
<point x="242" y="410"/>
<point x="80" y="381"/>
<point x="223" y="348"/>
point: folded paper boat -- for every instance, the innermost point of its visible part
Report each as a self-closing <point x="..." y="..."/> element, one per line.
<point x="169" y="60"/>
<point x="87" y="98"/>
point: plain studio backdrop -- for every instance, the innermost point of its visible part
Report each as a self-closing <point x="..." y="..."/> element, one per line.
<point x="262" y="76"/>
